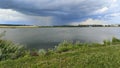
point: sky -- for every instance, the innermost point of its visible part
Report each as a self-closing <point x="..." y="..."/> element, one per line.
<point x="59" y="12"/>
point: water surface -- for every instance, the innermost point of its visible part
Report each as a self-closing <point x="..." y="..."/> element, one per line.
<point x="50" y="37"/>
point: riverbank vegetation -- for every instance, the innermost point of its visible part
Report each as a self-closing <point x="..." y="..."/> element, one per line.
<point x="65" y="55"/>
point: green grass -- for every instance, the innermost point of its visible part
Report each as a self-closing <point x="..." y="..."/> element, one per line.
<point x="10" y="50"/>
<point x="70" y="55"/>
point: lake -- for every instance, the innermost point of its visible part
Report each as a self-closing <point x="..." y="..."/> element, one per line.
<point x="49" y="37"/>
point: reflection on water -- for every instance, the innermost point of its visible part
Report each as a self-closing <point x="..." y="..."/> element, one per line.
<point x="49" y="37"/>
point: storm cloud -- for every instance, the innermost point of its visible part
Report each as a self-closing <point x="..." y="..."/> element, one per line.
<point x="63" y="11"/>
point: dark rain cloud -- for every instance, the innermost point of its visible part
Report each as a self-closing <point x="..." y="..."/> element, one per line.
<point x="63" y="11"/>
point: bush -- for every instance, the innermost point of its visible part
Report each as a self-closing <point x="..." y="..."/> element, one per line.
<point x="115" y="40"/>
<point x="106" y="42"/>
<point x="63" y="47"/>
<point x="9" y="50"/>
<point x="42" y="52"/>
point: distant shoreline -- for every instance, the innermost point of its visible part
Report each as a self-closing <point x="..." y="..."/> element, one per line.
<point x="18" y="27"/>
<point x="50" y="26"/>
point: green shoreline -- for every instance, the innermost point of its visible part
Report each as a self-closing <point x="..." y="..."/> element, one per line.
<point x="65" y="55"/>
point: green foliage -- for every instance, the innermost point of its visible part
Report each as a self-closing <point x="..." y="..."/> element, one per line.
<point x="9" y="50"/>
<point x="42" y="52"/>
<point x="88" y="56"/>
<point x="63" y="47"/>
<point x="106" y="42"/>
<point x="50" y="52"/>
<point x="115" y="40"/>
<point x="66" y="55"/>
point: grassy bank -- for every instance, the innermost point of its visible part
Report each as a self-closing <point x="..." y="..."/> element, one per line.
<point x="70" y="55"/>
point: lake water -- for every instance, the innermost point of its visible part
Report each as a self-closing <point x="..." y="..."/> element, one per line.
<point x="50" y="37"/>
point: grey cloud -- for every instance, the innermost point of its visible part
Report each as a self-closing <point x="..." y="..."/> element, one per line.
<point x="61" y="10"/>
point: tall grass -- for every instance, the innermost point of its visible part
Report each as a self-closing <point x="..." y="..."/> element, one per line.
<point x="115" y="40"/>
<point x="10" y="50"/>
<point x="65" y="55"/>
<point x="64" y="46"/>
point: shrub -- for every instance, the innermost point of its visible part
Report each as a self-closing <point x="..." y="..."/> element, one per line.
<point x="42" y="52"/>
<point x="34" y="52"/>
<point x="106" y="42"/>
<point x="115" y="40"/>
<point x="63" y="47"/>
<point x="10" y="50"/>
<point x="50" y="52"/>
